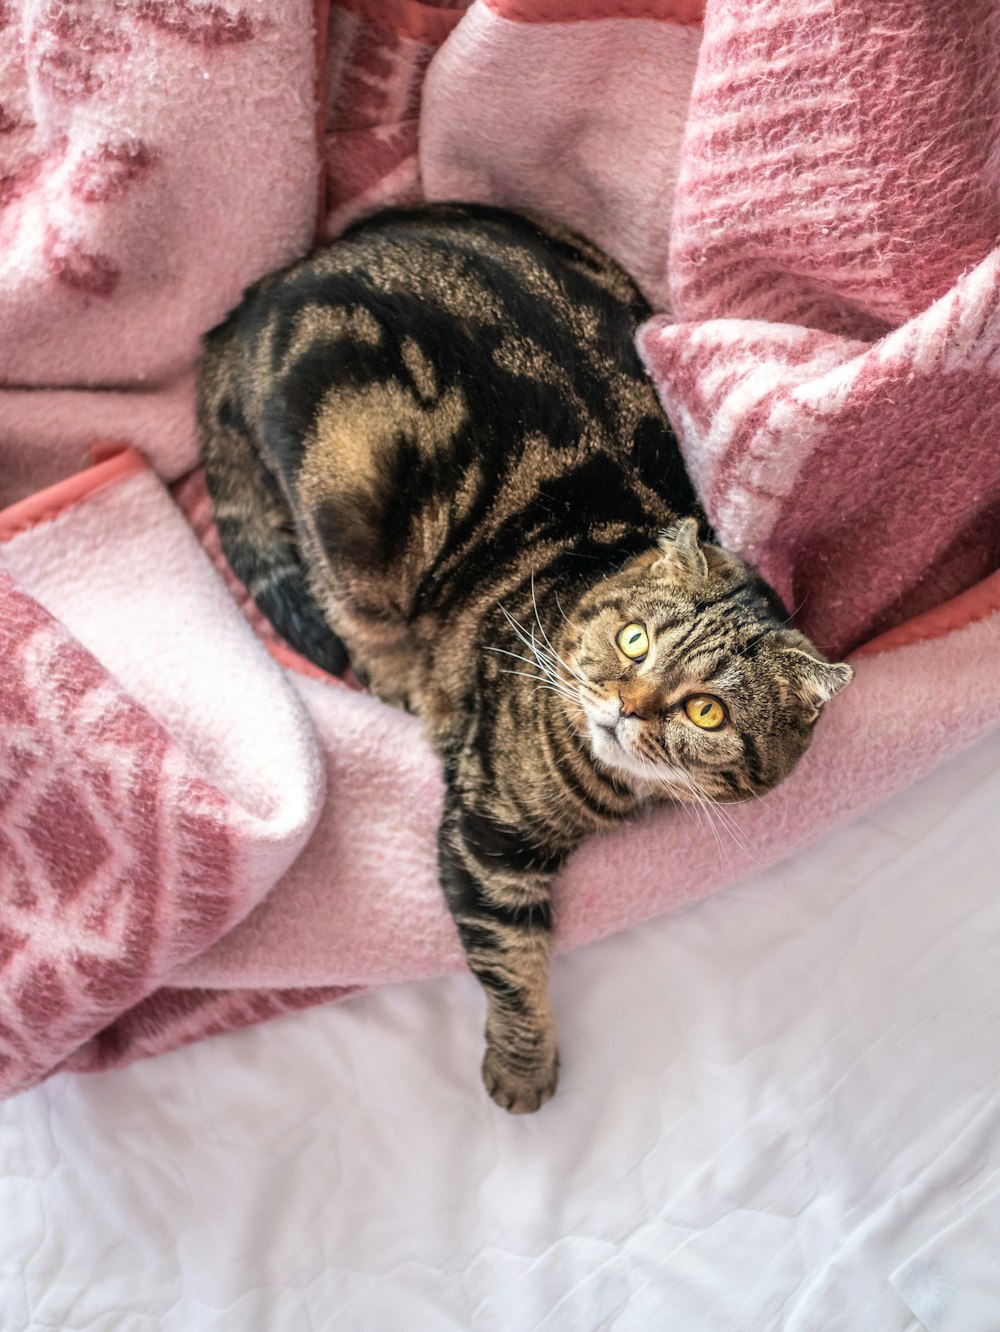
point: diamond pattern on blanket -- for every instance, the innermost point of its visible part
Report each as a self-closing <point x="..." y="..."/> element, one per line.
<point x="117" y="859"/>
<point x="66" y="840"/>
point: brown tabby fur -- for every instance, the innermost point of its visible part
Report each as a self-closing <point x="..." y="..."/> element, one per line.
<point x="433" y="444"/>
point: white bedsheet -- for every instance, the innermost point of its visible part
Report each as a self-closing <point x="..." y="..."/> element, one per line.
<point x="778" y="1110"/>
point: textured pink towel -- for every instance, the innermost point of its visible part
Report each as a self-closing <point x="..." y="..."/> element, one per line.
<point x="193" y="837"/>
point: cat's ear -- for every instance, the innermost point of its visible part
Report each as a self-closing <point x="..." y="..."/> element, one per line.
<point x="681" y="553"/>
<point x="811" y="679"/>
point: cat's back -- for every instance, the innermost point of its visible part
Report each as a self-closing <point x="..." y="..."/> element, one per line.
<point x="443" y="388"/>
<point x="441" y="305"/>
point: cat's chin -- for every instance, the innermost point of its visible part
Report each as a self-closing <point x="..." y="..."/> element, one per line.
<point x="614" y="752"/>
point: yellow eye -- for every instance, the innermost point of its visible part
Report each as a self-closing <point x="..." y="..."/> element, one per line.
<point x="706" y="712"/>
<point x="633" y="641"/>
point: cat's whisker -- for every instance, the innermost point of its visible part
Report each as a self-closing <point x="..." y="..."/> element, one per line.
<point x="547" y="682"/>
<point x="545" y="636"/>
<point x="667" y="783"/>
<point x="529" y="661"/>
<point x="737" y="833"/>
<point x="726" y="820"/>
<point x="654" y="778"/>
<point x="551" y="689"/>
<point x="550" y="681"/>
<point x="546" y="658"/>
<point x="696" y="809"/>
<point x="543" y="649"/>
<point x="534" y="607"/>
<point x="529" y="642"/>
<point x="699" y="801"/>
<point x="543" y="652"/>
<point x="559" y="605"/>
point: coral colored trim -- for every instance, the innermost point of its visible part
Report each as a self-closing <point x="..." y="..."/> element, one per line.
<point x="686" y="12"/>
<point x="321" y="21"/>
<point x="976" y="603"/>
<point x="292" y="661"/>
<point x="107" y="448"/>
<point x="115" y="463"/>
<point x="407" y="18"/>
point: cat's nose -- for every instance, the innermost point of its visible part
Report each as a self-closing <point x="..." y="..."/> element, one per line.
<point x="630" y="708"/>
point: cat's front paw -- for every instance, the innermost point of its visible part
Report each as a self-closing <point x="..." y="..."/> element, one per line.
<point x="520" y="1091"/>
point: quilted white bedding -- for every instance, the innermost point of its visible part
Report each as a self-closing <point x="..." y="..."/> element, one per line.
<point x="779" y="1110"/>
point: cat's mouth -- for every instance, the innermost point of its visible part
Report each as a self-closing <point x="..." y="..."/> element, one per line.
<point x="614" y="744"/>
<point x="603" y="730"/>
<point x="621" y="737"/>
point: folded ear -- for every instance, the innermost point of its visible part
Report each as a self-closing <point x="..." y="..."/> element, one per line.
<point x="681" y="553"/>
<point x="812" y="679"/>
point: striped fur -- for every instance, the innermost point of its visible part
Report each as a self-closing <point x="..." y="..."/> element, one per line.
<point x="432" y="447"/>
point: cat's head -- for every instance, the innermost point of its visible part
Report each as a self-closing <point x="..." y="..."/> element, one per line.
<point x="687" y="673"/>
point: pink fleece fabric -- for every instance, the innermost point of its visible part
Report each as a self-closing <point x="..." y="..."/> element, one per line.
<point x="193" y="836"/>
<point x="832" y="359"/>
<point x="155" y="156"/>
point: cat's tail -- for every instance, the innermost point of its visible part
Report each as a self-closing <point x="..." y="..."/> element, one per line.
<point x="252" y="515"/>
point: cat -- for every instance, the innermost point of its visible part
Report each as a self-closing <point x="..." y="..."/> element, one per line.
<point x="432" y="450"/>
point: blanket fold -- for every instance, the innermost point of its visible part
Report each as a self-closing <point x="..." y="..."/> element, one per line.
<point x="194" y="833"/>
<point x="835" y="271"/>
<point x="862" y="479"/>
<point x="145" y="807"/>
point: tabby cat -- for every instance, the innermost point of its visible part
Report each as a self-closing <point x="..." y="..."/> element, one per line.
<point x="431" y="447"/>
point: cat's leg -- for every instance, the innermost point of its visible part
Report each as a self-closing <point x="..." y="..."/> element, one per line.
<point x="497" y="886"/>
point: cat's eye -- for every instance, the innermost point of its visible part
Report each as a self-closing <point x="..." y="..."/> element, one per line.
<point x="705" y="711"/>
<point x="633" y="641"/>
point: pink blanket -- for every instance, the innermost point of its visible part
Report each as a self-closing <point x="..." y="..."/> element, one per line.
<point x="196" y="834"/>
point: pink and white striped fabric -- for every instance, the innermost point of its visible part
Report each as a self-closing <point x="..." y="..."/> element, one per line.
<point x="194" y="832"/>
<point x="835" y="280"/>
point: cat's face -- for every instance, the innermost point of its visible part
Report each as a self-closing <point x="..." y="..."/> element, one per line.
<point x="686" y="675"/>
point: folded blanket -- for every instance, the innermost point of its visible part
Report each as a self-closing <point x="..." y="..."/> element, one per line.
<point x="835" y="273"/>
<point x="155" y="156"/>
<point x="195" y="831"/>
<point x="829" y="355"/>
